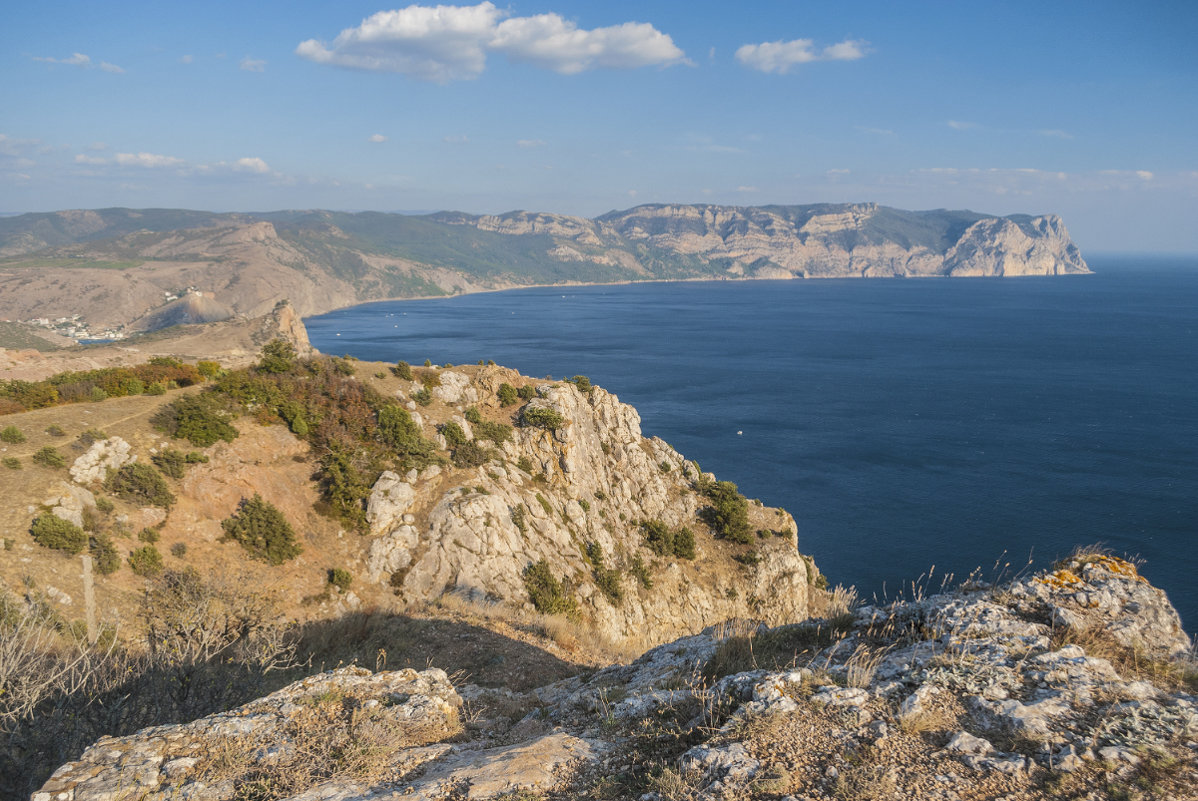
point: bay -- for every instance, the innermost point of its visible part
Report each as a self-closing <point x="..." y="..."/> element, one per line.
<point x="943" y="425"/>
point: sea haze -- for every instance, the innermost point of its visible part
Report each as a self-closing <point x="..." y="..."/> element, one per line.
<point x="955" y="423"/>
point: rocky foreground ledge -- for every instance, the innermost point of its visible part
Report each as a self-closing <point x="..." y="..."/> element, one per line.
<point x="1077" y="683"/>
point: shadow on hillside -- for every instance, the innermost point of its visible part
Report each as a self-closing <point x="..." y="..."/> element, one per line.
<point x="156" y="694"/>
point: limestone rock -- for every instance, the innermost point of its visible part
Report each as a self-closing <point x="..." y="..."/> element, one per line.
<point x="389" y="500"/>
<point x="102" y="456"/>
<point x="68" y="501"/>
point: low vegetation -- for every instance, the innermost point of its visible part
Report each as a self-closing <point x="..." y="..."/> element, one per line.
<point x="160" y="373"/>
<point x="51" y="531"/>
<point x="547" y="593"/>
<point x="140" y="484"/>
<point x="260" y="528"/>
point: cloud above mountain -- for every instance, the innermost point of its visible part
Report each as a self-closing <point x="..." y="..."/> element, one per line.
<point x="448" y="43"/>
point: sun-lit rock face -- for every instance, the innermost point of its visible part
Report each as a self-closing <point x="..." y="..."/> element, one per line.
<point x="589" y="482"/>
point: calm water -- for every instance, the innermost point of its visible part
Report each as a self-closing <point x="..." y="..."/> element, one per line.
<point x="905" y="424"/>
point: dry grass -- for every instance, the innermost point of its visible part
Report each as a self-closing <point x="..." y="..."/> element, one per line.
<point x="865" y="782"/>
<point x="1173" y="675"/>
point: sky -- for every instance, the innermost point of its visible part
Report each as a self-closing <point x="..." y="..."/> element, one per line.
<point x="1084" y="109"/>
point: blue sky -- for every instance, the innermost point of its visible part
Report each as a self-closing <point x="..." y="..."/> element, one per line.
<point x="1086" y="109"/>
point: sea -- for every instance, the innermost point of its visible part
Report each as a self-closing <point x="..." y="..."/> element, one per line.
<point x="919" y="430"/>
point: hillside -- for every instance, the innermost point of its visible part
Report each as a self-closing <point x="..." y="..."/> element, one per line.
<point x="121" y="270"/>
<point x="530" y="514"/>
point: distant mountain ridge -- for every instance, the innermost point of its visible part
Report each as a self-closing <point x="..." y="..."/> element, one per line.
<point x="114" y="266"/>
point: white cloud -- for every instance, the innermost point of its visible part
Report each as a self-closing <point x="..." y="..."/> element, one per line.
<point x="530" y="142"/>
<point x="1144" y="175"/>
<point x="81" y="60"/>
<point x="84" y="159"/>
<point x="878" y="131"/>
<point x="252" y="64"/>
<point x="549" y="41"/>
<point x="746" y="189"/>
<point x="187" y="59"/>
<point x="446" y="43"/>
<point x="958" y="125"/>
<point x="779" y="57"/>
<point x="251" y="165"/>
<point x="151" y="160"/>
<point x="377" y="138"/>
<point x="460" y="139"/>
<point x="76" y="60"/>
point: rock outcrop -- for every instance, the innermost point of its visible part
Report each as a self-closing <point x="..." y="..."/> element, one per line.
<point x="574" y="497"/>
<point x="982" y="692"/>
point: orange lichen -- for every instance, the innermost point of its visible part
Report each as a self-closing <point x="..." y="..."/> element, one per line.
<point x="1062" y="579"/>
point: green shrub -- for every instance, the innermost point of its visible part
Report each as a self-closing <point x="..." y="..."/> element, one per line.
<point x="105" y="555"/>
<point x="196" y="418"/>
<point x="498" y="433"/>
<point x="471" y="454"/>
<point x="12" y="463"/>
<point x="179" y="550"/>
<point x="155" y="388"/>
<point x="508" y="395"/>
<point x="582" y="382"/>
<point x="518" y="519"/>
<point x="49" y="457"/>
<point x="12" y="435"/>
<point x="585" y="504"/>
<point x="542" y="417"/>
<point x="748" y="558"/>
<point x="341" y="579"/>
<point x="546" y="592"/>
<point x="343" y="365"/>
<point x="278" y="356"/>
<point x="262" y="530"/>
<point x="429" y="378"/>
<point x="51" y="531"/>
<point x="428" y="363"/>
<point x="149" y="535"/>
<point x="208" y="369"/>
<point x="473" y="415"/>
<point x="453" y="433"/>
<point x="544" y="504"/>
<point x="171" y="462"/>
<point x="728" y="514"/>
<point x="195" y="457"/>
<point x="403" y="370"/>
<point x="525" y="464"/>
<point x="9" y="543"/>
<point x="140" y="484"/>
<point x="399" y="431"/>
<point x="684" y="543"/>
<point x="606" y="579"/>
<point x="423" y="396"/>
<point x="55" y="431"/>
<point x="105" y="505"/>
<point x="664" y="542"/>
<point x="146" y="561"/>
<point x="90" y="437"/>
<point x="640" y="572"/>
<point x="527" y="392"/>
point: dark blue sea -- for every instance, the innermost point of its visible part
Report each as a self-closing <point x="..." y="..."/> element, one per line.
<point x="954" y="423"/>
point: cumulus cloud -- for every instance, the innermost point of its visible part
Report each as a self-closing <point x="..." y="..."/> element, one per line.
<point x="81" y="60"/>
<point x="150" y="160"/>
<point x="251" y="165"/>
<point x="85" y="159"/>
<point x="446" y="43"/>
<point x="779" y="57"/>
<point x="377" y="138"/>
<point x="252" y="64"/>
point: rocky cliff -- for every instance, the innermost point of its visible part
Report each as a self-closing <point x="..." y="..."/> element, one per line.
<point x="1073" y="683"/>
<point x="553" y="494"/>
<point x="117" y="266"/>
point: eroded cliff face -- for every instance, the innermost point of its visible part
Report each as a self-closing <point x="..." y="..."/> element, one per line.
<point x="592" y="480"/>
